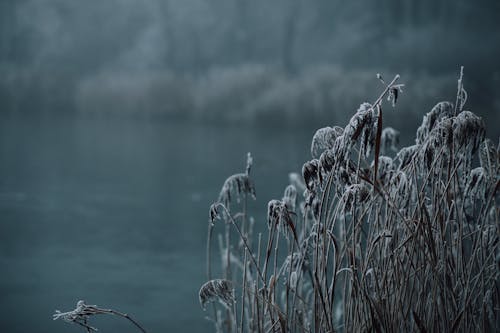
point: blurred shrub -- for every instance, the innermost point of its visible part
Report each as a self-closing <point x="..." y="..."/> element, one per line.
<point x="147" y="93"/>
<point x="254" y="93"/>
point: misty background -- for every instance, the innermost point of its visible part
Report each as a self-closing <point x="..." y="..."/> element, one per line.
<point x="120" y="120"/>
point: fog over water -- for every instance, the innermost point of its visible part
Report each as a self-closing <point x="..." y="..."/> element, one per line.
<point x="121" y="119"/>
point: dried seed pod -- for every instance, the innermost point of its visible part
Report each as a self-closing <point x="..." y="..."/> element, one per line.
<point x="439" y="111"/>
<point x="439" y="141"/>
<point x="236" y="186"/>
<point x="274" y="211"/>
<point x="279" y="215"/>
<point x="441" y="136"/>
<point x="326" y="162"/>
<point x="363" y="117"/>
<point x="290" y="197"/>
<point x="468" y="131"/>
<point x="217" y="290"/>
<point x="394" y="91"/>
<point x="324" y="139"/>
<point x="393" y="96"/>
<point x="311" y="204"/>
<point x="310" y="173"/>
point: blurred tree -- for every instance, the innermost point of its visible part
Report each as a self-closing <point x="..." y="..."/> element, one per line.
<point x="290" y="36"/>
<point x="170" y="38"/>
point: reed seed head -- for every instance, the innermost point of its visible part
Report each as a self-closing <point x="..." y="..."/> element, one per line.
<point x="217" y="290"/>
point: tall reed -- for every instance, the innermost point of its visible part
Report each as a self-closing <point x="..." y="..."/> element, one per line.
<point x="370" y="242"/>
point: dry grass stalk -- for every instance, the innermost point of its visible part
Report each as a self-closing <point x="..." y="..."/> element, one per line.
<point x="81" y="314"/>
<point x="381" y="243"/>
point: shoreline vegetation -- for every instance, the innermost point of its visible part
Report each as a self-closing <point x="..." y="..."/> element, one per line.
<point x="371" y="237"/>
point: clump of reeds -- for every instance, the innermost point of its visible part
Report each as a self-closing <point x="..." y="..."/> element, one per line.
<point x="81" y="314"/>
<point x="371" y="242"/>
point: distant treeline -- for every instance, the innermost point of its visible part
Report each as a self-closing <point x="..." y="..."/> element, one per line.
<point x="195" y="35"/>
<point x="241" y="59"/>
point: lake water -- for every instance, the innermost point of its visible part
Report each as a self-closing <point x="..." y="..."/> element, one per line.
<point x="114" y="211"/>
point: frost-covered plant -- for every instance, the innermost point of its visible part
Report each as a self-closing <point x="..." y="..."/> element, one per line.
<point x="238" y="185"/>
<point x="324" y="139"/>
<point x="408" y="242"/>
<point x="217" y="289"/>
<point x="81" y="314"/>
<point x="389" y="140"/>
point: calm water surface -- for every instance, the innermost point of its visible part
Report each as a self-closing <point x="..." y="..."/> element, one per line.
<point x="114" y="211"/>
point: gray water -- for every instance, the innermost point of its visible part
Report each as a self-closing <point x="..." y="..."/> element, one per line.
<point x="114" y="211"/>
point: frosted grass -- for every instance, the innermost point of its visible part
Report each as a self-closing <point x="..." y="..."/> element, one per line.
<point x="385" y="238"/>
